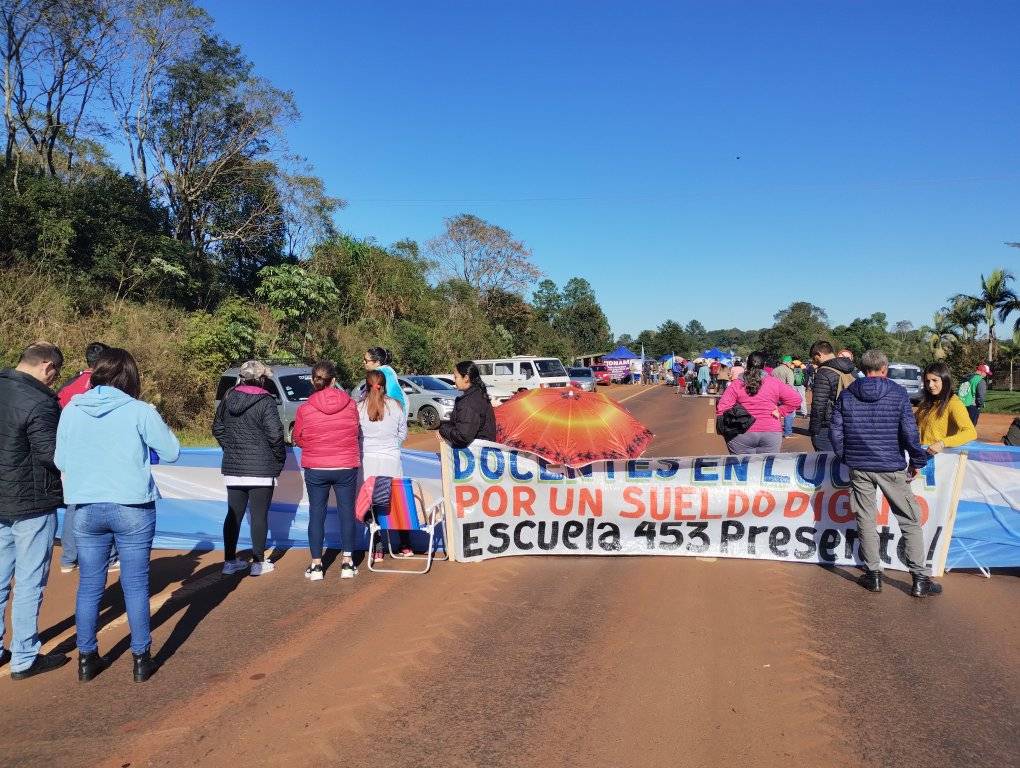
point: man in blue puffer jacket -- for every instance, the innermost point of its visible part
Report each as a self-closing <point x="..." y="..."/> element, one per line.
<point x="872" y="427"/>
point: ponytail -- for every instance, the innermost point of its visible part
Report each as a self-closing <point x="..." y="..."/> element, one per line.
<point x="754" y="373"/>
<point x="375" y="395"/>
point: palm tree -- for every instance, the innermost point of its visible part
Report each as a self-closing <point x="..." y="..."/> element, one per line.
<point x="964" y="314"/>
<point x="1010" y="350"/>
<point x="996" y="298"/>
<point x="941" y="335"/>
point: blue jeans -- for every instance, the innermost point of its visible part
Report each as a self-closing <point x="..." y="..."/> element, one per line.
<point x="344" y="483"/>
<point x="788" y="425"/>
<point x="97" y="527"/>
<point x="68" y="546"/>
<point x="26" y="544"/>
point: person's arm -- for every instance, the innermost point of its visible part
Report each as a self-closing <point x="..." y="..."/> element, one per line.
<point x="274" y="430"/>
<point x="964" y="427"/>
<point x="836" y="434"/>
<point x="41" y="430"/>
<point x="789" y="400"/>
<point x="729" y="397"/>
<point x="299" y="426"/>
<point x="401" y="424"/>
<point x="821" y="396"/>
<point x="909" y="439"/>
<point x="157" y="435"/>
<point x="218" y="427"/>
<point x="462" y="427"/>
<point x="979" y="395"/>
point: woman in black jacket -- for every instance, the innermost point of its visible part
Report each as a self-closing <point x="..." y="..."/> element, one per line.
<point x="472" y="418"/>
<point x="248" y="428"/>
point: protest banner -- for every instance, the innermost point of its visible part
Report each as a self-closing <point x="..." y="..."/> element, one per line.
<point x="792" y="507"/>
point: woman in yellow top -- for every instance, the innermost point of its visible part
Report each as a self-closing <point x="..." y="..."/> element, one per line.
<point x="942" y="418"/>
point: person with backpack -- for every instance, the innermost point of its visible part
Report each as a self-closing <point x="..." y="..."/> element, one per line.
<point x="832" y="375"/>
<point x="972" y="392"/>
<point x="767" y="399"/>
<point x="942" y="418"/>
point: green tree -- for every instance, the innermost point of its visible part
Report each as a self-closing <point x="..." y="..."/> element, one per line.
<point x="796" y="328"/>
<point x="296" y="297"/>
<point x="547" y="301"/>
<point x="513" y="314"/>
<point x="582" y="320"/>
<point x="697" y="333"/>
<point x="672" y="338"/>
<point x="864" y="333"/>
<point x="995" y="299"/>
<point x="483" y="255"/>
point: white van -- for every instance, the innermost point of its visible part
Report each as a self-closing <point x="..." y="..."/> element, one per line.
<point x="515" y="373"/>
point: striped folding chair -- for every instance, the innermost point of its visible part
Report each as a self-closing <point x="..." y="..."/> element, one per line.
<point x="400" y="504"/>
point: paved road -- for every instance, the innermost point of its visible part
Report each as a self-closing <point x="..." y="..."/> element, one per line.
<point x="539" y="662"/>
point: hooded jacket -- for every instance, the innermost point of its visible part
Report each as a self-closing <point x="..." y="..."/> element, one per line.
<point x="873" y="425"/>
<point x="76" y="386"/>
<point x="29" y="480"/>
<point x="248" y="428"/>
<point x="326" y="429"/>
<point x="103" y="444"/>
<point x="824" y="390"/>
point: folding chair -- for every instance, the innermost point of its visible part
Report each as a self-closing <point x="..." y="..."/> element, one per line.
<point x="400" y="504"/>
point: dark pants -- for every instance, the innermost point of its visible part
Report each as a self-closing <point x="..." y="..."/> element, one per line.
<point x="821" y="441"/>
<point x="258" y="498"/>
<point x="344" y="483"/>
<point x="973" y="411"/>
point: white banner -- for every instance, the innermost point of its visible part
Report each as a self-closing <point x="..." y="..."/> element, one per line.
<point x="787" y="506"/>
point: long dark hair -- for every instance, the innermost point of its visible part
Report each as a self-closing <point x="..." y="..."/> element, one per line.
<point x="935" y="403"/>
<point x="754" y="372"/>
<point x="380" y="355"/>
<point x="117" y="368"/>
<point x="469" y="370"/>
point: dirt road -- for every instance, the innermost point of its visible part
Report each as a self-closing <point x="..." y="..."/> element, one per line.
<point x="539" y="662"/>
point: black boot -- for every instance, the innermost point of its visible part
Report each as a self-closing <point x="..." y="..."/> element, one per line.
<point x="144" y="666"/>
<point x="871" y="581"/>
<point x="90" y="665"/>
<point x="44" y="662"/>
<point x="924" y="586"/>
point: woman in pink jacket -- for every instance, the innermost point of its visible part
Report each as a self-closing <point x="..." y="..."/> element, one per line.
<point x="326" y="429"/>
<point x="764" y="397"/>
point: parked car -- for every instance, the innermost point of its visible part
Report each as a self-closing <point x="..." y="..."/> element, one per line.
<point x="497" y="395"/>
<point x="290" y="385"/>
<point x="602" y="374"/>
<point x="582" y="378"/>
<point x="907" y="376"/>
<point x="429" y="400"/>
<point x="522" y="372"/>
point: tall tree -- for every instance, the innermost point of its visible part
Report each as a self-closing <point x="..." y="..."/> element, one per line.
<point x="796" y="328"/>
<point x="547" y="301"/>
<point x="582" y="320"/>
<point x="483" y="255"/>
<point x="995" y="299"/>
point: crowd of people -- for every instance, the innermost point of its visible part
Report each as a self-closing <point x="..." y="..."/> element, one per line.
<point x="90" y="448"/>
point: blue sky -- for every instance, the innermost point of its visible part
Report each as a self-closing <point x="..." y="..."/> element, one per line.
<point x="878" y="170"/>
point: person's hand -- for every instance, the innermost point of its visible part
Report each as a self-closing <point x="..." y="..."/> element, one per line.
<point x="911" y="472"/>
<point x="775" y="413"/>
<point x="936" y="448"/>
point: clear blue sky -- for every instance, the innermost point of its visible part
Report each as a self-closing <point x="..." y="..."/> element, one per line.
<point x="879" y="161"/>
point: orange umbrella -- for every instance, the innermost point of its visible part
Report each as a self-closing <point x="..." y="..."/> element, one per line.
<point x="569" y="426"/>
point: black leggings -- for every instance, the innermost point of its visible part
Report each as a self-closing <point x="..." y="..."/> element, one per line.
<point x="239" y="498"/>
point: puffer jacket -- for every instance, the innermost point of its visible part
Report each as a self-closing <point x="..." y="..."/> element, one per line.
<point x="326" y="429"/>
<point x="247" y="426"/>
<point x="872" y="426"/>
<point x="29" y="479"/>
<point x="823" y="391"/>
<point x="472" y="419"/>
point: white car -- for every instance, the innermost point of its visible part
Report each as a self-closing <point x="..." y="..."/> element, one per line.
<point x="497" y="396"/>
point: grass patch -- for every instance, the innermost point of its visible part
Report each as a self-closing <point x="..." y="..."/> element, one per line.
<point x="997" y="401"/>
<point x="196" y="438"/>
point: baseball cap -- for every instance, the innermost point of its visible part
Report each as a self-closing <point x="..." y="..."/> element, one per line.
<point x="253" y="369"/>
<point x="984" y="369"/>
<point x="797" y="363"/>
<point x="787" y="358"/>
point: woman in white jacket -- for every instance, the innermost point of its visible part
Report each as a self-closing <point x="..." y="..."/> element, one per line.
<point x="383" y="431"/>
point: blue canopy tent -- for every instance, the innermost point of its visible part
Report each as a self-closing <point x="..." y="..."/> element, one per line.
<point x="618" y="363"/>
<point x="621" y="353"/>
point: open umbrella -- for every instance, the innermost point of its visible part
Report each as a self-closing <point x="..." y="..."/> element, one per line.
<point x="568" y="426"/>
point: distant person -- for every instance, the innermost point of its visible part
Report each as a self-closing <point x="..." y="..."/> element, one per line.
<point x="942" y="418"/>
<point x="737" y="371"/>
<point x="723" y="378"/>
<point x="326" y="428"/>
<point x="767" y="399"/>
<point x="800" y="384"/>
<point x="704" y="378"/>
<point x="379" y="359"/>
<point x="832" y="375"/>
<point x="678" y="375"/>
<point x="248" y="428"/>
<point x="973" y="391"/>
<point x="846" y="354"/>
<point x="713" y="373"/>
<point x="383" y="431"/>
<point x="472" y="418"/>
<point x="114" y="496"/>
<point x="80" y="383"/>
<point x="635" y="371"/>
<point x="784" y="372"/>
<point x="872" y="427"/>
<point x="30" y="493"/>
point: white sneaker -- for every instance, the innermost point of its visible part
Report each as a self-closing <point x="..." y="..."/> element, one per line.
<point x="348" y="571"/>
<point x="257" y="569"/>
<point x="234" y="566"/>
<point x="314" y="572"/>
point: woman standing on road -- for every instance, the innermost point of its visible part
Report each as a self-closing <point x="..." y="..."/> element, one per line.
<point x="326" y="429"/>
<point x="103" y="444"/>
<point x="378" y="359"/>
<point x="383" y="431"/>
<point x="248" y="428"/>
<point x="767" y="399"/>
<point x="472" y="418"/>
<point x="942" y="418"/>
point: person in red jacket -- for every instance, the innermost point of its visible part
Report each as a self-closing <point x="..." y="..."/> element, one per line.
<point x="81" y="383"/>
<point x="327" y="430"/>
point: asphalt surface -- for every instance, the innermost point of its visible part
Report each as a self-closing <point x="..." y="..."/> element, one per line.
<point x="538" y="662"/>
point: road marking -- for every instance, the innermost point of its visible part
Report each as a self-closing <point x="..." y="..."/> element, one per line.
<point x="710" y="427"/>
<point x="636" y="394"/>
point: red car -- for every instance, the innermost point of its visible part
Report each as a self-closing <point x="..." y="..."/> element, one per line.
<point x="602" y="375"/>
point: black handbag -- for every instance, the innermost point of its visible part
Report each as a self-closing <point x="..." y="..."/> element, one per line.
<point x="735" y="421"/>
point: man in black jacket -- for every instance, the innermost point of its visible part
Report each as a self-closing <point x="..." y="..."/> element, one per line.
<point x="832" y="375"/>
<point x="30" y="493"/>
